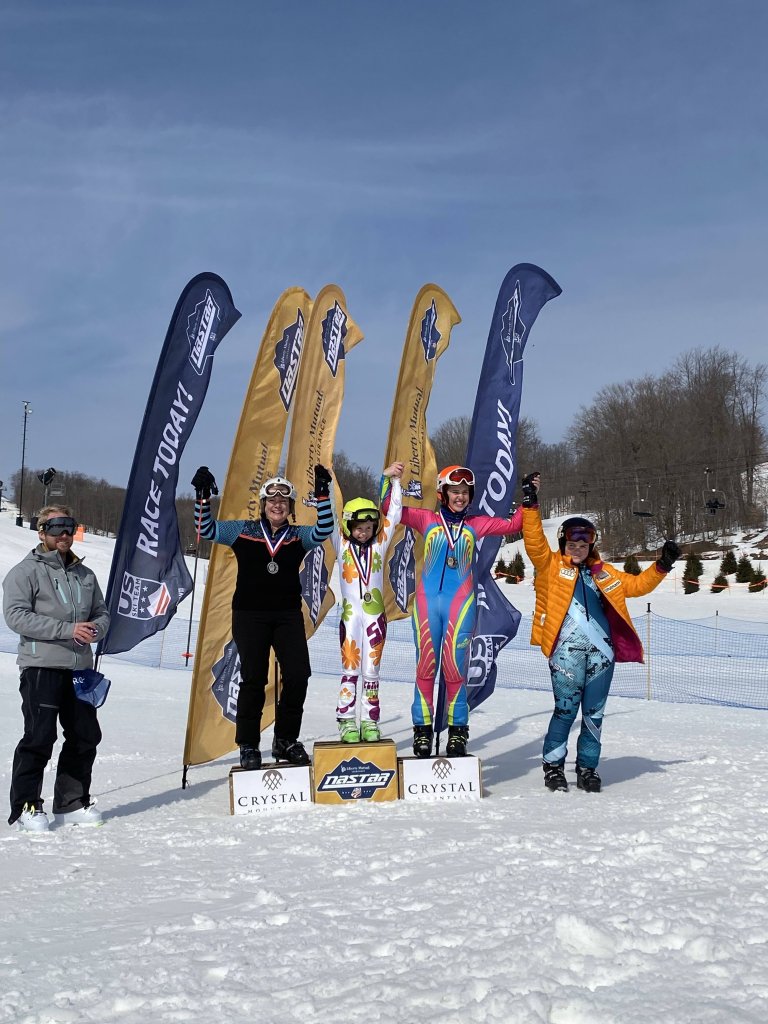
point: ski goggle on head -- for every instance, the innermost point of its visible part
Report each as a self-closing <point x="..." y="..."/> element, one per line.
<point x="455" y="475"/>
<point x="361" y="515"/>
<point x="57" y="525"/>
<point x="583" y="533"/>
<point x="278" y="487"/>
<point x="277" y="491"/>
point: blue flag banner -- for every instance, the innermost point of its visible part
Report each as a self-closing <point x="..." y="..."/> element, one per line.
<point x="149" y="577"/>
<point x="492" y="456"/>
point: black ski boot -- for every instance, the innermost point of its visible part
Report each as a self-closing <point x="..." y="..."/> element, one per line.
<point x="250" y="758"/>
<point x="422" y="740"/>
<point x="291" y="751"/>
<point x="457" y="741"/>
<point x="588" y="780"/>
<point x="554" y="777"/>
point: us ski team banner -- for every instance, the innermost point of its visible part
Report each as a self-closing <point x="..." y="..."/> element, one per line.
<point x="255" y="458"/>
<point x="492" y="455"/>
<point x="148" y="577"/>
<point x="331" y="334"/>
<point x="433" y="317"/>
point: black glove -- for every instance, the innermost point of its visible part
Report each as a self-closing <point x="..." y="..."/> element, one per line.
<point x="322" y="482"/>
<point x="669" y="555"/>
<point x="530" y="491"/>
<point x="204" y="483"/>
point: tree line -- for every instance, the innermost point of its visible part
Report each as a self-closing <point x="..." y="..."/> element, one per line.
<point x="668" y="456"/>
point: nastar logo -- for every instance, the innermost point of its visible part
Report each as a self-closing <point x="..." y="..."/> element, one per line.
<point x="413" y="490"/>
<point x="314" y="582"/>
<point x="334" y="332"/>
<point x="513" y="331"/>
<point x="430" y="335"/>
<point x="402" y="570"/>
<point x="226" y="681"/>
<point x="201" y="331"/>
<point x="288" y="356"/>
<point x="355" y="779"/>
<point x="143" y="599"/>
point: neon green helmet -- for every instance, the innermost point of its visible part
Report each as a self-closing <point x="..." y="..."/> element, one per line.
<point x="359" y="510"/>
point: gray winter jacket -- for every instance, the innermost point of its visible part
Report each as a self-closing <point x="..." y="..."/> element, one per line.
<point x="42" y="601"/>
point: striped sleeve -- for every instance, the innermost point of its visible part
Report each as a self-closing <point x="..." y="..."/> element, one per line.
<point x="312" y="536"/>
<point x="225" y="532"/>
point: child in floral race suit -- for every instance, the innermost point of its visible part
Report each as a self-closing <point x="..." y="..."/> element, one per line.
<point x="361" y="546"/>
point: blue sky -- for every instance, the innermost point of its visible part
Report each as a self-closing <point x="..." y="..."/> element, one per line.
<point x="619" y="145"/>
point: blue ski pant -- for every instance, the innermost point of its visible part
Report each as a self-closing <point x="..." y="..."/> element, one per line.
<point x="581" y="678"/>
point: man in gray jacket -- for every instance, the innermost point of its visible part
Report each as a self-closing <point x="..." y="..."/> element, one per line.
<point x="55" y="605"/>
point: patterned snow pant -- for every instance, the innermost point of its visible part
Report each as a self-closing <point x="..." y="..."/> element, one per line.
<point x="581" y="677"/>
<point x="362" y="639"/>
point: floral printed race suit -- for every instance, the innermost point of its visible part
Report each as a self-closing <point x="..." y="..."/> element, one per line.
<point x="363" y="624"/>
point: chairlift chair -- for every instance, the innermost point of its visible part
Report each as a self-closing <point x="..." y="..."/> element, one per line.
<point x="714" y="498"/>
<point x="643" y="507"/>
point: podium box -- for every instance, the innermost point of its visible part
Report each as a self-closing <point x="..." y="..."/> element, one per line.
<point x="348" y="772"/>
<point x="275" y="788"/>
<point x="431" y="779"/>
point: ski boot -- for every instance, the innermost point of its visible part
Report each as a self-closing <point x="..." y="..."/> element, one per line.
<point x="291" y="751"/>
<point x="422" y="740"/>
<point x="348" y="731"/>
<point x="369" y="732"/>
<point x="250" y="758"/>
<point x="588" y="780"/>
<point x="457" y="741"/>
<point x="554" y="777"/>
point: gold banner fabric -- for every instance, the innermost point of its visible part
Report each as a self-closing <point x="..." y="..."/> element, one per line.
<point x="331" y="333"/>
<point x="255" y="457"/>
<point x="433" y="317"/>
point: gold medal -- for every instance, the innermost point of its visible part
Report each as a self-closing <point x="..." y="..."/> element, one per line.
<point x="450" y="562"/>
<point x="367" y="597"/>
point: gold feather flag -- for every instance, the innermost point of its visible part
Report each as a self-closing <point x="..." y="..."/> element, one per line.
<point x="255" y="457"/>
<point x="433" y="317"/>
<point x="331" y="334"/>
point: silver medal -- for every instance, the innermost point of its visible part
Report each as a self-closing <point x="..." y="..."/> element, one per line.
<point x="272" y="567"/>
<point x="367" y="597"/>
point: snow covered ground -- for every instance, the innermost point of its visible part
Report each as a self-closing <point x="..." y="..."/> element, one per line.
<point x="647" y="902"/>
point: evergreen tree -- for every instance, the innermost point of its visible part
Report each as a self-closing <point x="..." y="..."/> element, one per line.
<point x="632" y="566"/>
<point x="501" y="568"/>
<point x="691" y="574"/>
<point x="758" y="582"/>
<point x="516" y="569"/>
<point x="744" y="571"/>
<point x="729" y="564"/>
<point x="719" y="583"/>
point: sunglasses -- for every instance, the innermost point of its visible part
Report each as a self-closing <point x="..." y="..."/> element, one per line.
<point x="58" y="525"/>
<point x="460" y="475"/>
<point x="278" y="491"/>
<point x="581" y="533"/>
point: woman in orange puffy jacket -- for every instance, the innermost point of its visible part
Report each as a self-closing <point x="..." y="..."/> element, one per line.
<point x="582" y="625"/>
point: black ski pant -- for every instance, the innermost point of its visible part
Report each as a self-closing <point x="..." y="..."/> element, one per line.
<point x="48" y="696"/>
<point x="255" y="634"/>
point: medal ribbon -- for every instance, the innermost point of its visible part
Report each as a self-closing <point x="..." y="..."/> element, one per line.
<point x="448" y="530"/>
<point x="282" y="535"/>
<point x="364" y="563"/>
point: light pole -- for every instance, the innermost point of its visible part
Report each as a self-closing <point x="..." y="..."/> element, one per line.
<point x="20" y="516"/>
<point x="1" y="495"/>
